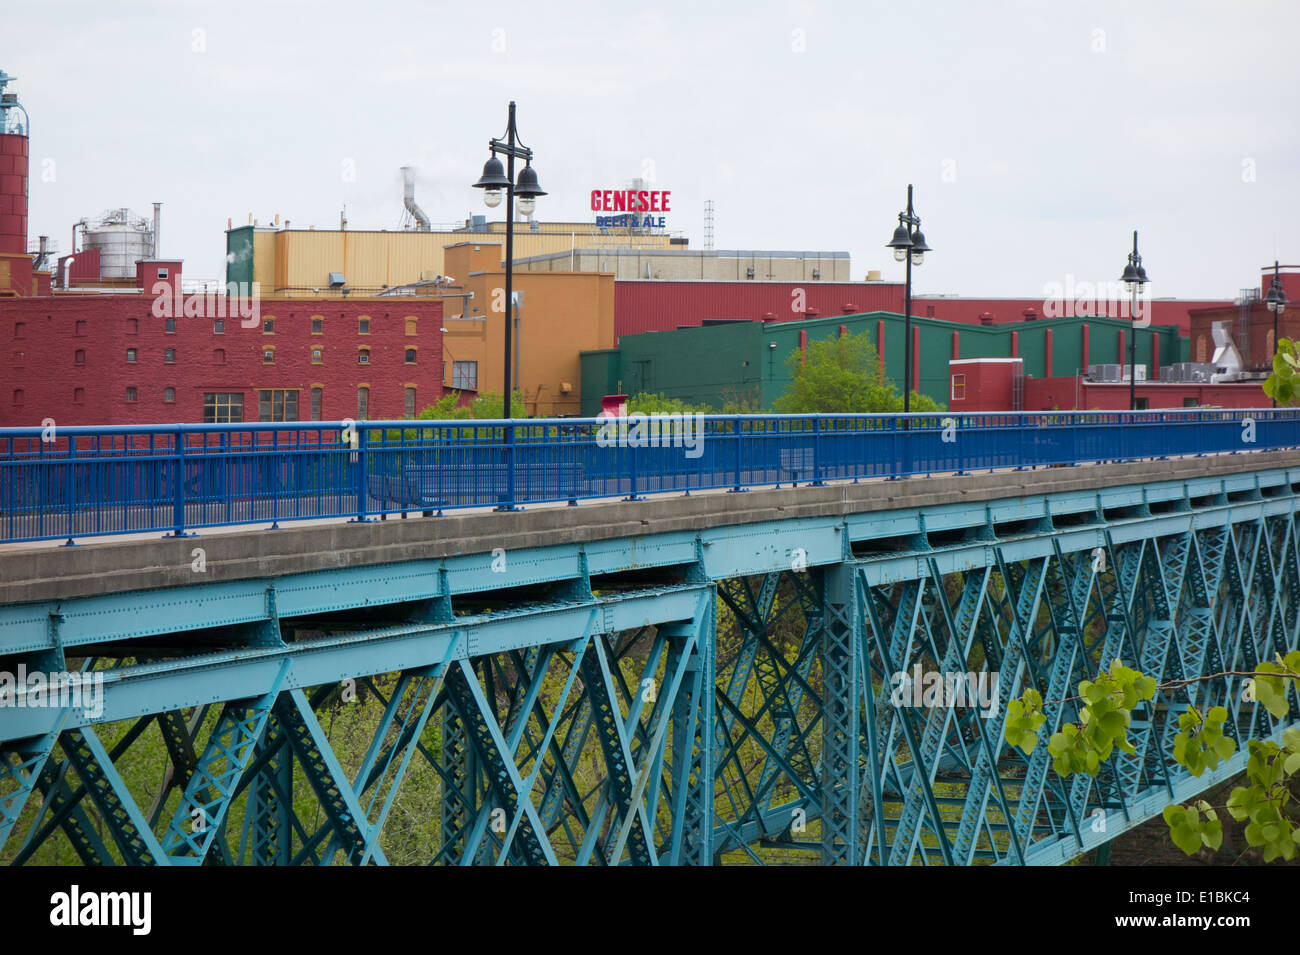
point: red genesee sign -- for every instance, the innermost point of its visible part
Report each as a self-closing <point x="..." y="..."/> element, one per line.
<point x="630" y="201"/>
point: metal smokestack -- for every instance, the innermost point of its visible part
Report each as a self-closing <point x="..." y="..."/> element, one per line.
<point x="408" y="200"/>
<point x="157" y="229"/>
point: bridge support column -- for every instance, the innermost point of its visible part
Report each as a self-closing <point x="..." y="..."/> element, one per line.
<point x="841" y="626"/>
<point x="691" y="842"/>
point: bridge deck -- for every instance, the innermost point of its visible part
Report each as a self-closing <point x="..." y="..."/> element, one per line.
<point x="44" y="570"/>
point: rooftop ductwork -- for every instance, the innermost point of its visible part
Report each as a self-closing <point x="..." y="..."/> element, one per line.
<point x="408" y="200"/>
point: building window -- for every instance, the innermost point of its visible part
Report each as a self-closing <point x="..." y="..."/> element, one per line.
<point x="133" y="326"/>
<point x="268" y="355"/>
<point x="1189" y="403"/>
<point x="363" y="326"/>
<point x="929" y="311"/>
<point x="218" y="356"/>
<point x="317" y="355"/>
<point x="410" y="402"/>
<point x="317" y="325"/>
<point x="79" y="356"/>
<point x="411" y="324"/>
<point x="464" y="375"/>
<point x="277" y="404"/>
<point x="363" y="401"/>
<point x="958" y="387"/>
<point x="169" y="394"/>
<point x="223" y="407"/>
<point x="162" y="273"/>
<point x="130" y="354"/>
<point x="316" y="394"/>
<point x="81" y="329"/>
<point x="363" y="356"/>
<point x="130" y="394"/>
<point x="169" y="326"/>
<point x="78" y="395"/>
<point x="268" y="326"/>
<point x="20" y="329"/>
<point x="219" y="326"/>
<point x="18" y="396"/>
<point x="169" y="356"/>
<point x="410" y="356"/>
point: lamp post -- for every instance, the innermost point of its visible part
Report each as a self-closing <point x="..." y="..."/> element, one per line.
<point x="493" y="181"/>
<point x="1275" y="301"/>
<point x="1134" y="278"/>
<point x="909" y="246"/>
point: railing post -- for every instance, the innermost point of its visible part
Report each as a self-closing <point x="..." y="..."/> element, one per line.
<point x="631" y="469"/>
<point x="508" y="501"/>
<point x="70" y="486"/>
<point x="817" y="452"/>
<point x="735" y="427"/>
<point x="178" y="477"/>
<point x="363" y="492"/>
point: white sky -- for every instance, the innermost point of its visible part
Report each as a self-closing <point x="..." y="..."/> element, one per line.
<point x="1038" y="135"/>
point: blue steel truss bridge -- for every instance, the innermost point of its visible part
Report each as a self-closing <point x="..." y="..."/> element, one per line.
<point x="510" y="643"/>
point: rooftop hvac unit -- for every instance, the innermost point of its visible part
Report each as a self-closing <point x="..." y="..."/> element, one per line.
<point x="1188" y="371"/>
<point x="1114" y="372"/>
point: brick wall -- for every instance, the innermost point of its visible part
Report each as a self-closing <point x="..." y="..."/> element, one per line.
<point x="46" y="377"/>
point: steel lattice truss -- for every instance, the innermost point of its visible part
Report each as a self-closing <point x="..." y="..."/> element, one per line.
<point x="749" y="695"/>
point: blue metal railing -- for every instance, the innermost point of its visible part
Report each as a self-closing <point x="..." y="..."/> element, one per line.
<point x="94" y="481"/>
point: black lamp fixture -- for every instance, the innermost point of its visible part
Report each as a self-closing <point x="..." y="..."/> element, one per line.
<point x="1275" y="301"/>
<point x="909" y="246"/>
<point x="496" y="179"/>
<point x="1133" y="277"/>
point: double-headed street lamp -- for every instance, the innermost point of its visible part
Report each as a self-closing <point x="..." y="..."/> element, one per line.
<point x="1275" y="301"/>
<point x="1134" y="278"/>
<point x="493" y="181"/>
<point x="909" y="246"/>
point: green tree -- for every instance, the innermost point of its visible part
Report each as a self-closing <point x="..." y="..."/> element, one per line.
<point x="446" y="408"/>
<point x="842" y="375"/>
<point x="485" y="407"/>
<point x="1268" y="801"/>
<point x="1282" y="384"/>
<point x="654" y="403"/>
<point x="491" y="405"/>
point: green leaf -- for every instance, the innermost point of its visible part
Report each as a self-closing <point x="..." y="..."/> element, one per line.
<point x="1212" y="834"/>
<point x="1186" y="838"/>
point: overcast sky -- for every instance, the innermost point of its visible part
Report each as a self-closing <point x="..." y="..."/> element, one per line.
<point x="1038" y="135"/>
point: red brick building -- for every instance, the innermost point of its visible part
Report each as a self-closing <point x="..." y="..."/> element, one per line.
<point x="85" y="359"/>
<point x="1250" y="323"/>
<point x="652" y="305"/>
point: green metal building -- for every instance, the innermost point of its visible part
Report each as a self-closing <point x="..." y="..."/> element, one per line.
<point x="745" y="362"/>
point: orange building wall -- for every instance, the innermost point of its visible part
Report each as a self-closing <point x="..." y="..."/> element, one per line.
<point x="561" y="314"/>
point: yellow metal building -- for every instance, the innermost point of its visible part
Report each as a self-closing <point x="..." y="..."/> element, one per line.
<point x="330" y="263"/>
